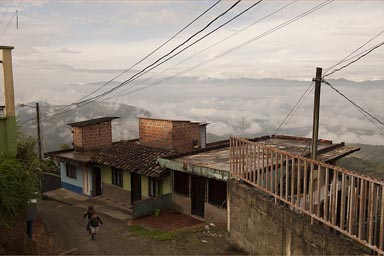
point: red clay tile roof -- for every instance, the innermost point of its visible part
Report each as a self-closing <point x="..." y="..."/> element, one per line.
<point x="133" y="157"/>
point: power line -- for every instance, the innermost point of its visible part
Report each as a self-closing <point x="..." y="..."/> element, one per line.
<point x="144" y="71"/>
<point x="355" y="60"/>
<point x="302" y="15"/>
<point x="346" y="57"/>
<point x="155" y="50"/>
<point x="6" y="11"/>
<point x="291" y="112"/>
<point x="153" y="65"/>
<point x="148" y="55"/>
<point x="209" y="47"/>
<point x="354" y="104"/>
<point x="13" y="16"/>
<point x="313" y="9"/>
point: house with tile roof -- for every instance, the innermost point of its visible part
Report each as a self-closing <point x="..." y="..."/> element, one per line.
<point x="126" y="170"/>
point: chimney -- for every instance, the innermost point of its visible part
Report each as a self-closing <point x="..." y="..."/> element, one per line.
<point x="92" y="134"/>
<point x="181" y="136"/>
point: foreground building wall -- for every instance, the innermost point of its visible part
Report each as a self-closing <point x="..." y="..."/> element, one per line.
<point x="259" y="226"/>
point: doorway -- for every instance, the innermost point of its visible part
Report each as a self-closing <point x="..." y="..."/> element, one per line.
<point x="135" y="187"/>
<point x="198" y="186"/>
<point x="96" y="187"/>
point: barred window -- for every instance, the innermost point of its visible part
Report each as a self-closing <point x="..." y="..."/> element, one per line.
<point x="181" y="183"/>
<point x="117" y="177"/>
<point x="217" y="193"/>
<point x="71" y="171"/>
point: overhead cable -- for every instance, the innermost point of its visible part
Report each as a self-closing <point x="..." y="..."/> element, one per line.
<point x="355" y="60"/>
<point x="209" y="47"/>
<point x="302" y="15"/>
<point x="6" y="11"/>
<point x="353" y="103"/>
<point x="156" y="63"/>
<point x="349" y="55"/>
<point x="85" y="102"/>
<point x="13" y="16"/>
<point x="147" y="56"/>
<point x="291" y="112"/>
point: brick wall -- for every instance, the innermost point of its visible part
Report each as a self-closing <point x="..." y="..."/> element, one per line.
<point x="155" y="133"/>
<point x="259" y="226"/>
<point x="177" y="135"/>
<point x="184" y="133"/>
<point x="91" y="137"/>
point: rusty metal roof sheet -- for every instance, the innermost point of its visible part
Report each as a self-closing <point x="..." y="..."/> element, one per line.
<point x="133" y="157"/>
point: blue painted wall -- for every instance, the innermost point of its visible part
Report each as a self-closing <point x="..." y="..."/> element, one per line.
<point x="71" y="182"/>
<point x="72" y="188"/>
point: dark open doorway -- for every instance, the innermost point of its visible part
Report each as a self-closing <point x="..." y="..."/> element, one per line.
<point x="96" y="187"/>
<point x="198" y="195"/>
<point x="135" y="187"/>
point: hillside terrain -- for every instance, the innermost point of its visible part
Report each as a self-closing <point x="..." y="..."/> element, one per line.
<point x="369" y="160"/>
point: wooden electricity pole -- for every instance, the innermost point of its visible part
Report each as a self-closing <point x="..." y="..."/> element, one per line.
<point x="316" y="113"/>
<point x="38" y="130"/>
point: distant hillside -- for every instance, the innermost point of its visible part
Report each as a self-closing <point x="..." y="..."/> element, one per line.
<point x="56" y="132"/>
<point x="369" y="160"/>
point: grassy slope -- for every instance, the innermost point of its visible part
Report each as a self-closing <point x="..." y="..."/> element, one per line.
<point x="369" y="160"/>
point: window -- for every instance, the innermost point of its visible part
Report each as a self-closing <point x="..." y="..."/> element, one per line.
<point x="117" y="177"/>
<point x="181" y="183"/>
<point x="217" y="193"/>
<point x="71" y="171"/>
<point x="155" y="187"/>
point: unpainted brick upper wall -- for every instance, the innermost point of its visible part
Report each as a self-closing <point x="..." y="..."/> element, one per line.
<point x="177" y="135"/>
<point x="92" y="137"/>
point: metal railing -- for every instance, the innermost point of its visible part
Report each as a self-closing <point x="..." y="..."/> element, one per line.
<point x="351" y="203"/>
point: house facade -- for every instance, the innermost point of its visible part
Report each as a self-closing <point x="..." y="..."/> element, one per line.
<point x="199" y="178"/>
<point x="77" y="171"/>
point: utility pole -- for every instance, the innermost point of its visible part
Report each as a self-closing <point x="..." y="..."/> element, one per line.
<point x="8" y="124"/>
<point x="316" y="112"/>
<point x="38" y="130"/>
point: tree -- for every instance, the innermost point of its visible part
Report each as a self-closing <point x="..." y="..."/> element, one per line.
<point x="19" y="180"/>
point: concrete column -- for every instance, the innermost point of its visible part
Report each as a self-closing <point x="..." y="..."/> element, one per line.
<point x="9" y="95"/>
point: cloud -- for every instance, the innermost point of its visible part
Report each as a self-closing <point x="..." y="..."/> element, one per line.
<point x="65" y="50"/>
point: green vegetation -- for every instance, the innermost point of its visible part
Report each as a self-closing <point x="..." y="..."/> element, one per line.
<point x="369" y="161"/>
<point x="152" y="234"/>
<point x="19" y="180"/>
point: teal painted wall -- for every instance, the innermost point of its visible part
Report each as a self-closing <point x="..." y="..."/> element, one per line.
<point x="8" y="142"/>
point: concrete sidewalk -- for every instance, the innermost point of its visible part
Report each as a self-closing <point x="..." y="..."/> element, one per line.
<point x="101" y="204"/>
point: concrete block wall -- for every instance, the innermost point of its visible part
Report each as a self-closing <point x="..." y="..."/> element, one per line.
<point x="259" y="226"/>
<point x="92" y="137"/>
<point x="177" y="135"/>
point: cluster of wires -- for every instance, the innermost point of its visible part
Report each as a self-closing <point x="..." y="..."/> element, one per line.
<point x="87" y="100"/>
<point x="15" y="14"/>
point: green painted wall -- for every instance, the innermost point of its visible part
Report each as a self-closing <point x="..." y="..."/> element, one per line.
<point x="8" y="142"/>
<point x="127" y="180"/>
<point x="167" y="185"/>
<point x="106" y="174"/>
<point x="144" y="185"/>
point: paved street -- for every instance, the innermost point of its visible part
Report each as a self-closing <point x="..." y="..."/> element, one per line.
<point x="68" y="226"/>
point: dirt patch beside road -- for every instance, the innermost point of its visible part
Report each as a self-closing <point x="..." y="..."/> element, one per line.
<point x="115" y="236"/>
<point x="13" y="240"/>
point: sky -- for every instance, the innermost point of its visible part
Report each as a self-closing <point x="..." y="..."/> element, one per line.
<point x="66" y="49"/>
